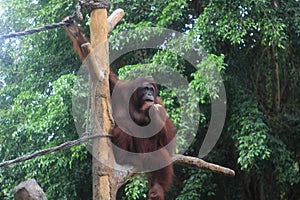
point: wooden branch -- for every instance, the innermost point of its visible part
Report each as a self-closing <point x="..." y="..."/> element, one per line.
<point x="114" y="18"/>
<point x="195" y="162"/>
<point x="122" y="173"/>
<point x="62" y="146"/>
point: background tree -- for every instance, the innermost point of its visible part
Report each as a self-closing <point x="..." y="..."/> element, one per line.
<point x="38" y="75"/>
<point x="254" y="45"/>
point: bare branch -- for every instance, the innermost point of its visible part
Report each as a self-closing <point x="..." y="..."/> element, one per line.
<point x="201" y="164"/>
<point x="122" y="173"/>
<point x="65" y="145"/>
<point x="114" y="18"/>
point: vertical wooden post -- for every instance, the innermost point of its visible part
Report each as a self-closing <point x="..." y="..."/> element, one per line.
<point x="101" y="110"/>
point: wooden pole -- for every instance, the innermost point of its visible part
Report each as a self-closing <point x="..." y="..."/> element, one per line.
<point x="106" y="180"/>
<point x="101" y="110"/>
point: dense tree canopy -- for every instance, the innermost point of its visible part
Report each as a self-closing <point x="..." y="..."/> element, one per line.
<point x="254" y="45"/>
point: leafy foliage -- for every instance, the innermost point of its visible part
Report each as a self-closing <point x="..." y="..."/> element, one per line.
<point x="136" y="188"/>
<point x="35" y="106"/>
<point x="197" y="186"/>
<point x="250" y="131"/>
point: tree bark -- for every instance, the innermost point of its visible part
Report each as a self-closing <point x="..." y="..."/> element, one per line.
<point x="101" y="109"/>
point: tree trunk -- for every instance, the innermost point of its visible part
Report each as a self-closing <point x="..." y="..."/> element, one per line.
<point x="101" y="110"/>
